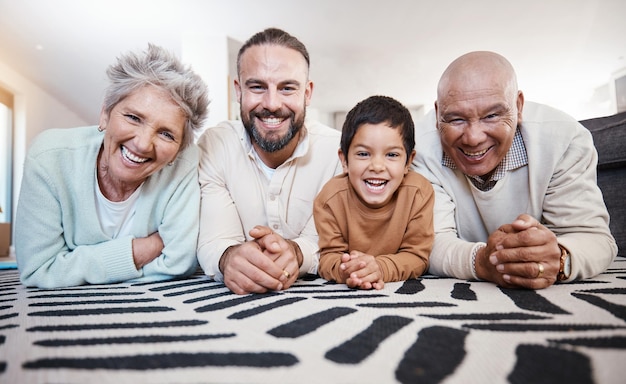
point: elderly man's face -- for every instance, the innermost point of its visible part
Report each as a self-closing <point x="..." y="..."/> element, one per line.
<point x="477" y="121"/>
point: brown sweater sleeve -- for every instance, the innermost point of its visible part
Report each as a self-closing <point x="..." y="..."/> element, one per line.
<point x="329" y="226"/>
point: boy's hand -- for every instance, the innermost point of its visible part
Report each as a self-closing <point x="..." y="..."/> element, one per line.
<point x="361" y="271"/>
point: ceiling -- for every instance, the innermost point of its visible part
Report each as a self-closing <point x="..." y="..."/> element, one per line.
<point x="564" y="51"/>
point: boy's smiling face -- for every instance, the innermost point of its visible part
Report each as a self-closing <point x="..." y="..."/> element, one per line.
<point x="376" y="163"/>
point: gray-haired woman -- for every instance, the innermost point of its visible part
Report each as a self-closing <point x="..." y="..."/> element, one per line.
<point x="119" y="201"/>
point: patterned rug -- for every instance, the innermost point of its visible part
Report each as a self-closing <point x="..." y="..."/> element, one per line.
<point x="429" y="330"/>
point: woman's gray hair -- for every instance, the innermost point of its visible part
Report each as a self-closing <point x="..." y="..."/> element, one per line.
<point x="156" y="66"/>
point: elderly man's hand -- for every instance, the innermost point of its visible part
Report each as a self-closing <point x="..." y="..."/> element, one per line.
<point x="523" y="254"/>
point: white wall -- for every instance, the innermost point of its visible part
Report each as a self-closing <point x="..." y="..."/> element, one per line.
<point x="34" y="110"/>
<point x="208" y="56"/>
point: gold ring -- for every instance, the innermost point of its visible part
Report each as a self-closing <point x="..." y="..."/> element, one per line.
<point x="287" y="274"/>
<point x="540" y="266"/>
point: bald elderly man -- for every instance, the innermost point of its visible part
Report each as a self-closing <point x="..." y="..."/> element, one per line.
<point x="517" y="201"/>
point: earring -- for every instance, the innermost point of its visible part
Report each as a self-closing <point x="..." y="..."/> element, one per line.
<point x="170" y="163"/>
<point x="100" y="129"/>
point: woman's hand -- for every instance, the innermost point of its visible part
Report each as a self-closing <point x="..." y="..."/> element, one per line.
<point x="146" y="249"/>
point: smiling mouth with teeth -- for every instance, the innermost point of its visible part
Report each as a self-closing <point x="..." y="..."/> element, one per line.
<point x="132" y="158"/>
<point x="272" y="121"/>
<point x="376" y="184"/>
<point x="474" y="154"/>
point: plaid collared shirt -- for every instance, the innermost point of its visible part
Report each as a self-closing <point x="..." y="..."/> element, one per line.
<point x="515" y="158"/>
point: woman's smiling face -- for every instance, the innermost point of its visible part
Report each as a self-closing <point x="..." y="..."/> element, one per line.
<point x="143" y="133"/>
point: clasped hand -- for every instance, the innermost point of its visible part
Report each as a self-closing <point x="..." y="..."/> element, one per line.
<point x="523" y="254"/>
<point x="360" y="270"/>
<point x="267" y="263"/>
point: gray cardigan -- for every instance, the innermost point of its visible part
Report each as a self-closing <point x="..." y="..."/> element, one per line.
<point x="558" y="188"/>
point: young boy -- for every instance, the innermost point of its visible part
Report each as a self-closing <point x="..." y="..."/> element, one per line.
<point x="375" y="221"/>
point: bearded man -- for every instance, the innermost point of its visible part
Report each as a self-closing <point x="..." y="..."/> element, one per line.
<point x="259" y="176"/>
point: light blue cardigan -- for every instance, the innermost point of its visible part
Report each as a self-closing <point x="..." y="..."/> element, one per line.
<point x="58" y="238"/>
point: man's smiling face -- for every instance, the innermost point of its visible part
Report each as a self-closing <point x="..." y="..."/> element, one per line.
<point x="478" y="111"/>
<point x="273" y="90"/>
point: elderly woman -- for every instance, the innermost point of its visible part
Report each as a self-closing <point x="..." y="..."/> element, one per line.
<point x="119" y="201"/>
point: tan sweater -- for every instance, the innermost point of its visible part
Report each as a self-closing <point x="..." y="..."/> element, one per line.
<point x="400" y="235"/>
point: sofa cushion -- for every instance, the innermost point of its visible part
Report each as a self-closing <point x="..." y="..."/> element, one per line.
<point x="609" y="136"/>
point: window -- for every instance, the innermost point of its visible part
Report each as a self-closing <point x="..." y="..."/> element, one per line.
<point x="6" y="155"/>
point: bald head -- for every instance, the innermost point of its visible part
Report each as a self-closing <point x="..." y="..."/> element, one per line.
<point x="478" y="109"/>
<point x="477" y="71"/>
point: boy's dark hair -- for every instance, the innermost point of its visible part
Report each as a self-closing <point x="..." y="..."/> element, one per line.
<point x="376" y="110"/>
<point x="274" y="36"/>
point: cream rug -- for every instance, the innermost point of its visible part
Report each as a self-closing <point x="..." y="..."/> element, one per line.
<point x="430" y="330"/>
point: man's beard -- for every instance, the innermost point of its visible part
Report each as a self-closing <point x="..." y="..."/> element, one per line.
<point x="271" y="143"/>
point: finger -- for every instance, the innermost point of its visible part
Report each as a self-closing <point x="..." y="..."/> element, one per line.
<point x="504" y="229"/>
<point x="528" y="219"/>
<point x="286" y="273"/>
<point x="279" y="272"/>
<point x="284" y="256"/>
<point x="368" y="266"/>
<point x="251" y="270"/>
<point x="531" y="275"/>
<point x="272" y="245"/>
<point x="271" y="242"/>
<point x="522" y="282"/>
<point x="289" y="276"/>
<point x="366" y="285"/>
<point x="523" y="240"/>
<point x="243" y="287"/>
<point x="530" y="245"/>
<point x="282" y="261"/>
<point x="531" y="237"/>
<point x="260" y="231"/>
<point x="353" y="283"/>
<point x="244" y="278"/>
<point x="529" y="270"/>
<point x="366" y="277"/>
<point x="524" y="221"/>
<point x="352" y="267"/>
<point x="370" y="279"/>
<point x="257" y="281"/>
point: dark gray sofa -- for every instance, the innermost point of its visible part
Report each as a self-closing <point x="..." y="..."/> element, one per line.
<point x="609" y="136"/>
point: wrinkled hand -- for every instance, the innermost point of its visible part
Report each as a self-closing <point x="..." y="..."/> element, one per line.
<point x="146" y="249"/>
<point x="361" y="271"/>
<point x="513" y="254"/>
<point x="267" y="263"/>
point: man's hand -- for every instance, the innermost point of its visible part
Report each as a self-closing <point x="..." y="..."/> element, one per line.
<point x="267" y="263"/>
<point x="523" y="254"/>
